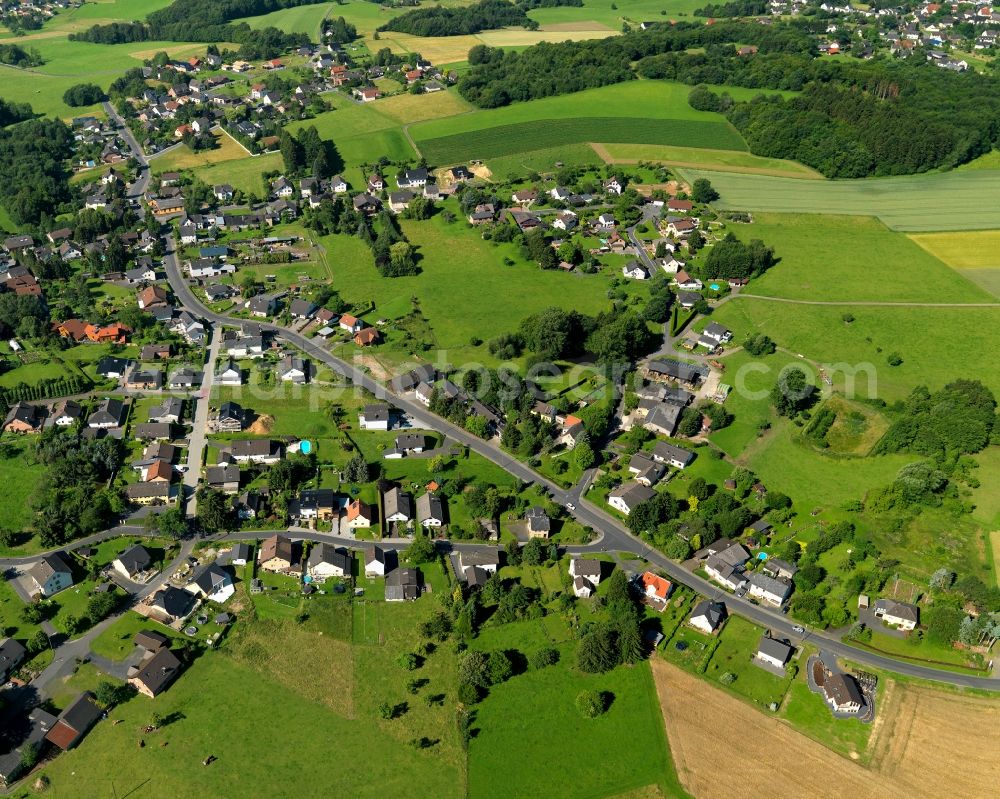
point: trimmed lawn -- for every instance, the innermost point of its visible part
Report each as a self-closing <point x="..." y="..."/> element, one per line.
<point x="185" y="158"/>
<point x="738" y="644"/>
<point x="243" y="173"/>
<point x="912" y="202"/>
<point x="987" y="497"/>
<point x="11" y="625"/>
<point x="531" y="720"/>
<point x="870" y="262"/>
<point x="116" y="642"/>
<point x="809" y="714"/>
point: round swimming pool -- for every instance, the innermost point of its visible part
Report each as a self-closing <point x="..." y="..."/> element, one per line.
<point x="305" y="447"/>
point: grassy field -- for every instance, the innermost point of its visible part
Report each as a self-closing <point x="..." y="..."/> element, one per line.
<point x="458" y="295"/>
<point x="20" y="476"/>
<point x="407" y="108"/>
<point x="184" y="158"/>
<point x="543" y="160"/>
<point x="936" y="344"/>
<point x="856" y="429"/>
<point x="869" y="262"/>
<point x="531" y="721"/>
<point x="604" y="114"/>
<point x="243" y="174"/>
<point x="703" y="158"/>
<point x="910" y="203"/>
<point x="303" y="19"/>
<point x="973" y="254"/>
<point x="737" y="645"/>
<point x="987" y="496"/>
<point x="246" y="705"/>
<point x="116" y="641"/>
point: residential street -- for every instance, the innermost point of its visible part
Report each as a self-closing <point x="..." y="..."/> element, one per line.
<point x="616" y="536"/>
<point x="196" y="441"/>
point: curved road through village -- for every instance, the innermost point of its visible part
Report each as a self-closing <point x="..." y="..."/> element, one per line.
<point x="615" y="537"/>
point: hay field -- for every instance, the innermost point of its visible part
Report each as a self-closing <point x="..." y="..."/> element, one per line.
<point x="407" y="108"/>
<point x="701" y="158"/>
<point x="974" y="254"/>
<point x="919" y="738"/>
<point x="910" y="203"/>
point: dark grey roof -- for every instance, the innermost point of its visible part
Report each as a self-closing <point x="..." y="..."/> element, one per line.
<point x="82" y="713"/>
<point x="327" y="553"/>
<point x="402" y="584"/>
<point x="715" y="612"/>
<point x="775" y="649"/>
<point x="157" y="672"/>
<point x="135" y="559"/>
<point x="211" y="578"/>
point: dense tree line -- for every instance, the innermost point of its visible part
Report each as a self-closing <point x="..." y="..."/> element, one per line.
<point x="500" y="77"/>
<point x="734" y="8"/>
<point x="14" y="112"/>
<point x="306" y="152"/>
<point x="83" y="94"/>
<point x="461" y="20"/>
<point x="16" y="56"/>
<point x="34" y="180"/>
<point x="196" y="21"/>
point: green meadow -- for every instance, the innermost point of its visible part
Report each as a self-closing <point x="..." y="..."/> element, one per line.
<point x="851" y="258"/>
<point x="939" y="201"/>
<point x="936" y="344"/>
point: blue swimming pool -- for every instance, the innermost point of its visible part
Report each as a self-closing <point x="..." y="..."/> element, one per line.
<point x="306" y="447"/>
<point x="713" y="286"/>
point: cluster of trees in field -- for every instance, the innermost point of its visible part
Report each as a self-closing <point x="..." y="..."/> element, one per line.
<point x="83" y="94"/>
<point x="957" y="418"/>
<point x="338" y="31"/>
<point x="14" y="55"/>
<point x="34" y="180"/>
<point x="460" y="20"/>
<point x="947" y="427"/>
<point x="196" y="21"/>
<point x="849" y="120"/>
<point x="14" y="112"/>
<point x="612" y="337"/>
<point x="68" y="500"/>
<point x="466" y="20"/>
<point x="306" y="153"/>
<point x="732" y="258"/>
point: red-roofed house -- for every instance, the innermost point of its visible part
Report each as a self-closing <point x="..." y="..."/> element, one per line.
<point x="657" y="589"/>
<point x="366" y="336"/>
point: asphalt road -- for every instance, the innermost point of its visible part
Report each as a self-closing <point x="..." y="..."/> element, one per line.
<point x="615" y="536"/>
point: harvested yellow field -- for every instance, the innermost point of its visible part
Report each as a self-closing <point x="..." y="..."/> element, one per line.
<point x="449" y="49"/>
<point x="919" y="740"/>
<point x="407" y="108"/>
<point x="969" y="249"/>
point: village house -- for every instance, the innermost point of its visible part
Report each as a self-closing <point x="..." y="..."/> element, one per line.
<point x="671" y="454"/>
<point x="326" y="560"/>
<point x="317" y="503"/>
<point x="225" y="478"/>
<point x="398" y="505"/>
<point x="537" y="522"/>
<point x="707" y="616"/>
<point x="586" y="576"/>
<point x="256" y="450"/>
<point x="772" y="652"/>
<point x="51" y="574"/>
<point x="74" y="722"/>
<point x="156" y="672"/>
<point x="655" y="589"/>
<point x="375" y="416"/>
<point x="276" y="554"/>
<point x="210" y="581"/>
<point x="430" y="510"/>
<point x="627" y="496"/>
<point x="897" y="614"/>
<point x="24" y="418"/>
<point x="842" y="693"/>
<point x="359" y="514"/>
<point x="133" y="563"/>
<point x="403" y="585"/>
<point x="375" y="561"/>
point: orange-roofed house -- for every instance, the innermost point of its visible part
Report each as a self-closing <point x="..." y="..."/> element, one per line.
<point x="657" y="589"/>
<point x="350" y="323"/>
<point x="111" y="334"/>
<point x="359" y="514"/>
<point x="159" y="471"/>
<point x="432" y="486"/>
<point x="366" y="337"/>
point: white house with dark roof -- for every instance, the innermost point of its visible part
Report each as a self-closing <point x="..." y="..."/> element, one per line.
<point x="772" y="652"/>
<point x="707" y="616"/>
<point x="629" y="495"/>
<point x="769" y="589"/>
<point x="898" y="614"/>
<point x="375" y="416"/>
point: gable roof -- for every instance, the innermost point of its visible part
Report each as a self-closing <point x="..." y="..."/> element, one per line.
<point x="334" y="556"/>
<point x="74" y="721"/>
<point x="50" y="564"/>
<point x="660" y="586"/>
<point x="158" y="671"/>
<point x="277" y="546"/>
<point x="135" y="559"/>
